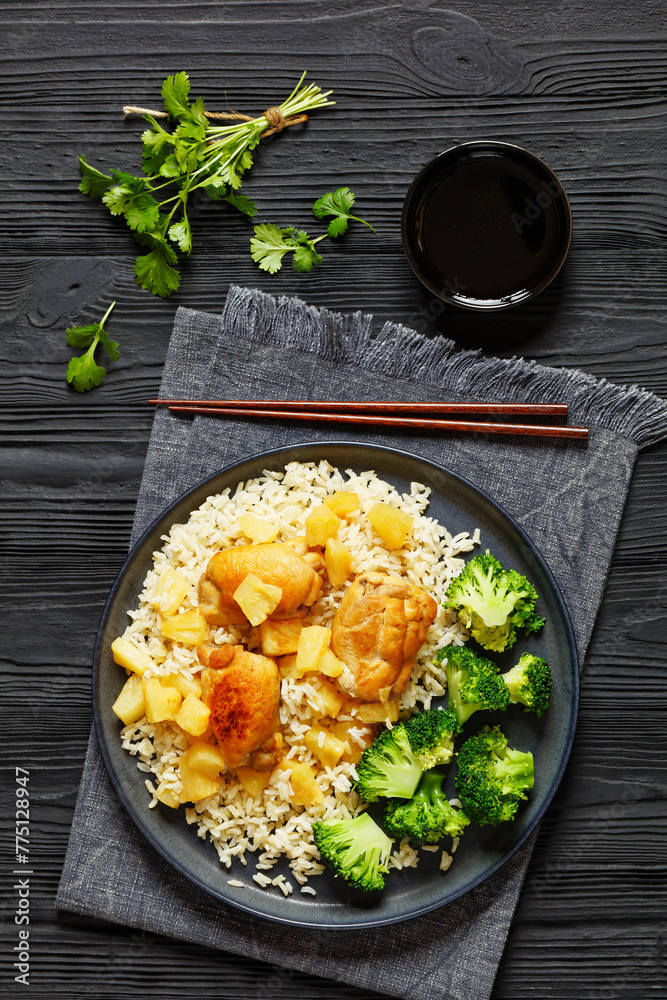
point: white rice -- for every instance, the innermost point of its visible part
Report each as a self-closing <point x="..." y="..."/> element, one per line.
<point x="269" y="825"/>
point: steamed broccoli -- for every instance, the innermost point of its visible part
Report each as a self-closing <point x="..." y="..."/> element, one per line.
<point x="493" y="602"/>
<point x="388" y="766"/>
<point x="492" y="778"/>
<point x="431" y="735"/>
<point x="529" y="683"/>
<point x="357" y="849"/>
<point x="427" y="816"/>
<point x="473" y="683"/>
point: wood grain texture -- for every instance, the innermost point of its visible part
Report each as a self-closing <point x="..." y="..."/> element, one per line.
<point x="582" y="85"/>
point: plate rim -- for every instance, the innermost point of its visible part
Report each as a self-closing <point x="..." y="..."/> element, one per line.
<point x="362" y="924"/>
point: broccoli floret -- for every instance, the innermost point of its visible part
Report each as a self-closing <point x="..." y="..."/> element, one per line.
<point x="427" y="817"/>
<point x="431" y="734"/>
<point x="388" y="767"/>
<point x="357" y="849"/>
<point x="492" y="778"/>
<point x="493" y="602"/>
<point x="529" y="683"/>
<point x="473" y="683"/>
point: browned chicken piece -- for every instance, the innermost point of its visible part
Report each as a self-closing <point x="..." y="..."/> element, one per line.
<point x="274" y="563"/>
<point x="378" y="630"/>
<point x="242" y="690"/>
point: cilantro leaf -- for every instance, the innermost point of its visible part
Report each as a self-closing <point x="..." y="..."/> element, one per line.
<point x="180" y="233"/>
<point x="109" y="345"/>
<point x="305" y="258"/>
<point x="81" y="336"/>
<point x="117" y="199"/>
<point x="155" y="240"/>
<point x="142" y="213"/>
<point x="197" y="111"/>
<point x="242" y="202"/>
<point x="154" y="273"/>
<point x="170" y="167"/>
<point x="157" y="143"/>
<point x="175" y="91"/>
<point x="268" y="246"/>
<point x="337" y="203"/>
<point x="191" y="130"/>
<point x="93" y="182"/>
<point x="83" y="372"/>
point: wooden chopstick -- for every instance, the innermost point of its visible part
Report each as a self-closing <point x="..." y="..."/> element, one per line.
<point x="335" y="406"/>
<point x="469" y="426"/>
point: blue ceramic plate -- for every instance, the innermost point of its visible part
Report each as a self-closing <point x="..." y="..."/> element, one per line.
<point x="460" y="506"/>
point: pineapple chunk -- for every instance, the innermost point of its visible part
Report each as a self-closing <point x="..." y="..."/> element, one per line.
<point x="343" y="502"/>
<point x="326" y="747"/>
<point x="162" y="702"/>
<point x="205" y="758"/>
<point x="353" y="750"/>
<point x="393" y="526"/>
<point x="188" y="628"/>
<point x="128" y="656"/>
<point x="256" y="599"/>
<point x="196" y="784"/>
<point x="129" y="705"/>
<point x="321" y="524"/>
<point x="253" y="782"/>
<point x="170" y="591"/>
<point x="256" y="530"/>
<point x="280" y="638"/>
<point x="338" y="561"/>
<point x="330" y="664"/>
<point x="313" y="641"/>
<point x="165" y="793"/>
<point x="287" y="667"/>
<point x="185" y="683"/>
<point x="305" y="790"/>
<point x="329" y="700"/>
<point x="206" y="737"/>
<point x="193" y="715"/>
<point x="373" y="711"/>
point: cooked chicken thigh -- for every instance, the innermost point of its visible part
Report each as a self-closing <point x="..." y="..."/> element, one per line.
<point x="242" y="690"/>
<point x="274" y="563"/>
<point x="378" y="630"/>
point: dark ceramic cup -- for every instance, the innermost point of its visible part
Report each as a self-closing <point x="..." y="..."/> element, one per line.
<point x="486" y="225"/>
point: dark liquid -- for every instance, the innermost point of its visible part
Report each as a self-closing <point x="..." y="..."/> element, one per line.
<point x="490" y="230"/>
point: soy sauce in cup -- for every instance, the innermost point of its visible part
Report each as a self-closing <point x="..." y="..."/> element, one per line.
<point x="486" y="225"/>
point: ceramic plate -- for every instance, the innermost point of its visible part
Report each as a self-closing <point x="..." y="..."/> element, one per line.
<point x="459" y="506"/>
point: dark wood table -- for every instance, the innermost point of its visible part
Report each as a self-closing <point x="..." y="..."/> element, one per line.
<point x="583" y="86"/>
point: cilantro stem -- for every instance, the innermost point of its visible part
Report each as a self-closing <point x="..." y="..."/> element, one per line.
<point x="357" y="219"/>
<point x="107" y="314"/>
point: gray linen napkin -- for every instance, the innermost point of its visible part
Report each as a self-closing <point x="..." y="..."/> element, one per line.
<point x="568" y="498"/>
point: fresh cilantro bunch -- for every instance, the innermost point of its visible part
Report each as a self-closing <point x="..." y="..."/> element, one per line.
<point x="83" y="372"/>
<point x="195" y="155"/>
<point x="270" y="244"/>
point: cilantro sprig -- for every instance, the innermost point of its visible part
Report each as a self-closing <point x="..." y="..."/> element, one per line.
<point x="83" y="372"/>
<point x="195" y="155"/>
<point x="270" y="243"/>
<point x="337" y="203"/>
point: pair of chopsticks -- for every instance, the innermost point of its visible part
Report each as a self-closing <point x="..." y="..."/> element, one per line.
<point x="425" y="416"/>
